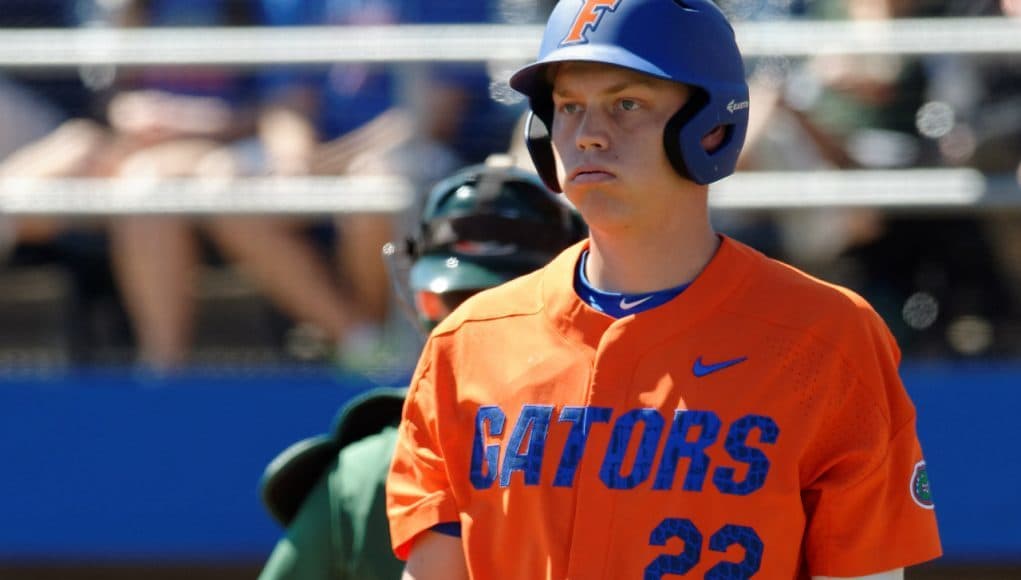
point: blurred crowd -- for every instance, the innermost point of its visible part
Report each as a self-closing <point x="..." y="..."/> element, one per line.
<point x="948" y="284"/>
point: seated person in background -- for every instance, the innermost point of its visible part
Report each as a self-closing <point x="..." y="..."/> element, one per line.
<point x="34" y="104"/>
<point x="328" y="490"/>
<point x="349" y="119"/>
<point x="975" y="119"/>
<point x="418" y="122"/>
<point x="168" y="120"/>
<point x="873" y="112"/>
<point x="158" y="123"/>
<point x="54" y="126"/>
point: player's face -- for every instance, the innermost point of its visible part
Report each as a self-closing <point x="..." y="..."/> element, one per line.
<point x="608" y="140"/>
<point x="435" y="306"/>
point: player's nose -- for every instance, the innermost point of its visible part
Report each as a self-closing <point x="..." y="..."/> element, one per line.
<point x="592" y="132"/>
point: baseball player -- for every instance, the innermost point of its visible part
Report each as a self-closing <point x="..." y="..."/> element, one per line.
<point x="480" y="227"/>
<point x="659" y="401"/>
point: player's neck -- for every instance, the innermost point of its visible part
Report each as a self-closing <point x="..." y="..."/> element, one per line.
<point x="643" y="264"/>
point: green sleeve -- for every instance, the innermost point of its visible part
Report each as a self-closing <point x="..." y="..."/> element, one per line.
<point x="341" y="531"/>
<point x="304" y="553"/>
<point x="358" y="502"/>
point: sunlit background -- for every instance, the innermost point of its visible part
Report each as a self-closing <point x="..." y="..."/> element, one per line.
<point x="194" y="194"/>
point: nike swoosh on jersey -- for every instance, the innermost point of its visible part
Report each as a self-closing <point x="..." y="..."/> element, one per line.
<point x="625" y="305"/>
<point x="699" y="369"/>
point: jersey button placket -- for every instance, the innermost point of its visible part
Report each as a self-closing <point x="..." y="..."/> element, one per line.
<point x="596" y="504"/>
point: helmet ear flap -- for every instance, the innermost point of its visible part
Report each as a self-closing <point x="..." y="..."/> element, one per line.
<point x="684" y="133"/>
<point x="540" y="148"/>
<point x="673" y="140"/>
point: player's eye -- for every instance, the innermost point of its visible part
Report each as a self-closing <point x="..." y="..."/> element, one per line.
<point x="569" y="108"/>
<point x="629" y="104"/>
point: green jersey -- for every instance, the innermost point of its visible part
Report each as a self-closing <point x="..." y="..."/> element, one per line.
<point x="328" y="491"/>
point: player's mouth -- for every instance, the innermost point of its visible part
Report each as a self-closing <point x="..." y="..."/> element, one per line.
<point x="590" y="174"/>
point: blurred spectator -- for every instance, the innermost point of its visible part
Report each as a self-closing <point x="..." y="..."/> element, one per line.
<point x="974" y="115"/>
<point x="351" y="118"/>
<point x="348" y="119"/>
<point x="167" y="120"/>
<point x="33" y="104"/>
<point x="487" y="108"/>
<point x="354" y="118"/>
<point x="53" y="127"/>
<point x="843" y="111"/>
<point x="836" y="111"/>
<point x="420" y="120"/>
<point x="758" y="229"/>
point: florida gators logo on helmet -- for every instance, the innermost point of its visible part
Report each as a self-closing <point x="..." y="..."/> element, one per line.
<point x="589" y="15"/>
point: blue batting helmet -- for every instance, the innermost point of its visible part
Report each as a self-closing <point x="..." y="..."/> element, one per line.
<point x="686" y="41"/>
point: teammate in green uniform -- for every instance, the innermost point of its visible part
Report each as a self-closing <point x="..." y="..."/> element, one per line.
<point x="480" y="227"/>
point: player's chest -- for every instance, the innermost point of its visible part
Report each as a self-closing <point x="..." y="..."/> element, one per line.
<point x="727" y="376"/>
<point x="686" y="451"/>
<point x="693" y="419"/>
<point x="692" y="440"/>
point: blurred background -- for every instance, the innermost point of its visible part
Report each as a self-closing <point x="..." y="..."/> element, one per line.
<point x="194" y="194"/>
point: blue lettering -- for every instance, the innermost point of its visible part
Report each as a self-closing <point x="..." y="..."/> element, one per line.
<point x="533" y="422"/>
<point x="574" y="448"/>
<point x="678" y="446"/>
<point x="610" y="473"/>
<point x="691" y="435"/>
<point x="486" y="456"/>
<point x="743" y="536"/>
<point x="758" y="463"/>
<point x="674" y="563"/>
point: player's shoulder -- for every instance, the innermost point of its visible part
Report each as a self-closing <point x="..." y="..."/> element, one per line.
<point x="521" y="296"/>
<point x="787" y="295"/>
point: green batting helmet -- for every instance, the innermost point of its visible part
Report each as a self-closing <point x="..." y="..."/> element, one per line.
<point x="481" y="227"/>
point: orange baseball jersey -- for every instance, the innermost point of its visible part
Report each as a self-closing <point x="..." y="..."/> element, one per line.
<point x="753" y="427"/>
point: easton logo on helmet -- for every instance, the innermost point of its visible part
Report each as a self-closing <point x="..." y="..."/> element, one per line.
<point x="735" y="106"/>
<point x="588" y="18"/>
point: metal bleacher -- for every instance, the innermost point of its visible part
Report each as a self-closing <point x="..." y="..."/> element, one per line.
<point x="506" y="46"/>
<point x="933" y="190"/>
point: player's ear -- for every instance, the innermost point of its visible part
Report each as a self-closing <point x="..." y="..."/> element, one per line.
<point x="712" y="140"/>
